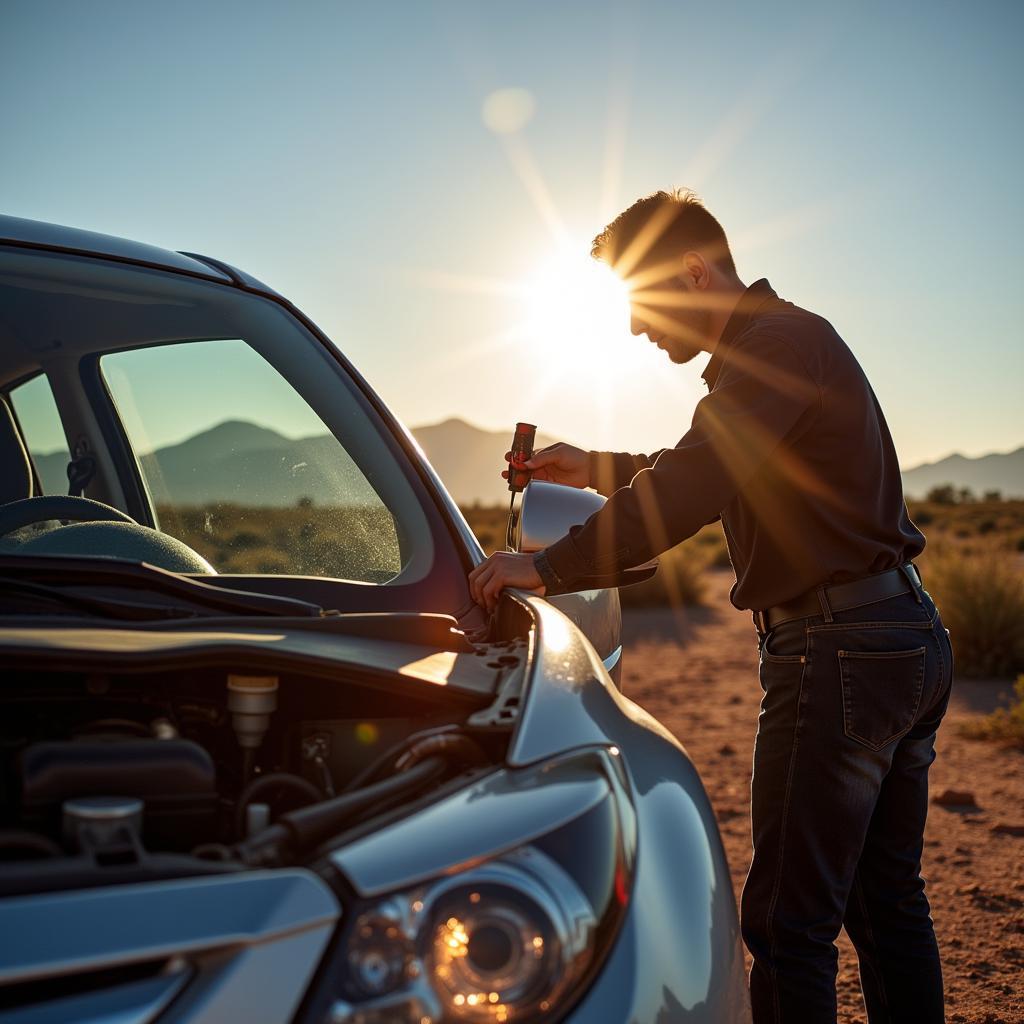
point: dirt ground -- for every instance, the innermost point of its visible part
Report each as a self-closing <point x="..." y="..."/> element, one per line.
<point x="696" y="670"/>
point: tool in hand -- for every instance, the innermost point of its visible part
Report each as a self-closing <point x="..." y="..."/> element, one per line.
<point x="518" y="475"/>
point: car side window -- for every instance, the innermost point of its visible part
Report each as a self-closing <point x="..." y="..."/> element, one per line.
<point x="42" y="432"/>
<point x="240" y="468"/>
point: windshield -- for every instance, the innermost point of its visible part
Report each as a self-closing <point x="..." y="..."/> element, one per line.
<point x="240" y="468"/>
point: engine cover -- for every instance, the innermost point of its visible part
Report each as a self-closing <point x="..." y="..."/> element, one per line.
<point x="174" y="778"/>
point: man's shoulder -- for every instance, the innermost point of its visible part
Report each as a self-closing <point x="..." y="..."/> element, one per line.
<point x="811" y="337"/>
<point x="787" y="320"/>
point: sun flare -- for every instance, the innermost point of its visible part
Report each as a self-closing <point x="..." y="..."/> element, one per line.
<point x="575" y="313"/>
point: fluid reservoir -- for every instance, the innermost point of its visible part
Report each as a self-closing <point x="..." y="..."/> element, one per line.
<point x="97" y="821"/>
<point x="251" y="701"/>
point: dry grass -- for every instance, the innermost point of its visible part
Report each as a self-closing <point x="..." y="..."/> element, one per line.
<point x="681" y="580"/>
<point x="1004" y="724"/>
<point x="347" y="543"/>
<point x="980" y="593"/>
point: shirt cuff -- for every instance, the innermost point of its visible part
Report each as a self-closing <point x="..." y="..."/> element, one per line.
<point x="563" y="562"/>
<point x="551" y="580"/>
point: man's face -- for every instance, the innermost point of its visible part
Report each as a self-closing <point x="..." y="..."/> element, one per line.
<point x="672" y="315"/>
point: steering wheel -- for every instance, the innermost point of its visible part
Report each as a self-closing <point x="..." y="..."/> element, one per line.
<point x="26" y="511"/>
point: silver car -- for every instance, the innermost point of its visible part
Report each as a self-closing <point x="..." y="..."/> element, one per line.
<point x="262" y="758"/>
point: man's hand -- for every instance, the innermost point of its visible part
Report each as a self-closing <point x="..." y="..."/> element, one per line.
<point x="559" y="463"/>
<point x="500" y="570"/>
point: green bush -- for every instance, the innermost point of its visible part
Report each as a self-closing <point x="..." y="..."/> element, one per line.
<point x="1003" y="723"/>
<point x="981" y="598"/>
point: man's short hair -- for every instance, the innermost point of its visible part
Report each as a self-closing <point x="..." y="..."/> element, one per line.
<point x="657" y="230"/>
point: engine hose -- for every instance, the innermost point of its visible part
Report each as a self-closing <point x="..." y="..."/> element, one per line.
<point x="274" y="780"/>
<point x="301" y="830"/>
<point x="388" y="758"/>
<point x="453" y="745"/>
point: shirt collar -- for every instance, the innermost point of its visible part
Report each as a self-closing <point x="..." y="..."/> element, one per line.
<point x="750" y="302"/>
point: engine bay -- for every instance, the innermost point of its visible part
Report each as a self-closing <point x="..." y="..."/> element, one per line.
<point x="116" y="776"/>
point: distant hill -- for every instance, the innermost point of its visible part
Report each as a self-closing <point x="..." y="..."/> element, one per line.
<point x="241" y="462"/>
<point x="996" y="472"/>
<point x="469" y="460"/>
<point x="246" y="464"/>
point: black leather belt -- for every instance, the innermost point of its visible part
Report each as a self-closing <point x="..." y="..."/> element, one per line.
<point x="841" y="597"/>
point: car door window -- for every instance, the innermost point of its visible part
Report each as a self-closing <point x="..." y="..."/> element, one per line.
<point x="42" y="432"/>
<point x="240" y="468"/>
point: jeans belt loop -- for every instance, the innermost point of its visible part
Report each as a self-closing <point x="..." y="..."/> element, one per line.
<point x="826" y="608"/>
<point x="760" y="622"/>
<point x="905" y="570"/>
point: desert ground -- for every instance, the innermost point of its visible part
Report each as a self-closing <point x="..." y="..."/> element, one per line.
<point x="696" y="670"/>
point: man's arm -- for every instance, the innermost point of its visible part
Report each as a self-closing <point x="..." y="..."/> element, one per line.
<point x="611" y="470"/>
<point x="764" y="396"/>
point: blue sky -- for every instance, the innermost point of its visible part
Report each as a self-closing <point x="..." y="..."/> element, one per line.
<point x="864" y="157"/>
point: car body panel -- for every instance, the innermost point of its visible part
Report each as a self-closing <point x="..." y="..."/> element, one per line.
<point x="253" y="939"/>
<point x="275" y="646"/>
<point x="37" y="233"/>
<point x="418" y="848"/>
<point x="682" y="898"/>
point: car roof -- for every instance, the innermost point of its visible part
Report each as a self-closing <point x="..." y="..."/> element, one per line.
<point x="39" y="234"/>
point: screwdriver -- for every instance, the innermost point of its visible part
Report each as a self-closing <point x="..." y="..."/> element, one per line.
<point x="518" y="474"/>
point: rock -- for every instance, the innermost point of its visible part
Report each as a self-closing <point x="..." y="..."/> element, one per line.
<point x="1007" y="830"/>
<point x="955" y="798"/>
<point x="727" y="750"/>
<point x="727" y="813"/>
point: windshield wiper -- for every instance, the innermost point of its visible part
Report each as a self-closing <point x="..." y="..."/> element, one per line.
<point x="20" y="597"/>
<point x="73" y="581"/>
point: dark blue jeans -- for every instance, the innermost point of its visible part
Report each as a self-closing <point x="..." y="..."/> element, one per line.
<point x="839" y="799"/>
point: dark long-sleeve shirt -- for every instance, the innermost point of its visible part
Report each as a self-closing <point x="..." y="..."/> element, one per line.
<point x="790" y="448"/>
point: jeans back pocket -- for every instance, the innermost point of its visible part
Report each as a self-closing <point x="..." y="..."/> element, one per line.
<point x="881" y="693"/>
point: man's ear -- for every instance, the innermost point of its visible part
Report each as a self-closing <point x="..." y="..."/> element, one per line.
<point x="696" y="271"/>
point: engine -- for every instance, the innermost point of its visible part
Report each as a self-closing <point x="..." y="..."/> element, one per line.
<point x="120" y="777"/>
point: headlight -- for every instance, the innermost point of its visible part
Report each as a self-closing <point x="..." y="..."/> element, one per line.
<point x="512" y="939"/>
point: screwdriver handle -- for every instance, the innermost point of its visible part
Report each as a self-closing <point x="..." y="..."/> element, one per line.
<point x="522" y="449"/>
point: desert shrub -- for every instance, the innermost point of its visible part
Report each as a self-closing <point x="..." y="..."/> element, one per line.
<point x="679" y="580"/>
<point x="981" y="598"/>
<point x="1003" y="723"/>
<point x="246" y="539"/>
<point x="944" y="494"/>
<point x="712" y="541"/>
<point x="986" y="526"/>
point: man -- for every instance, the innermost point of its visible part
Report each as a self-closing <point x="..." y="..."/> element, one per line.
<point x="791" y="450"/>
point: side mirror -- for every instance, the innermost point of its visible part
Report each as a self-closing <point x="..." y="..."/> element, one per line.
<point x="546" y="513"/>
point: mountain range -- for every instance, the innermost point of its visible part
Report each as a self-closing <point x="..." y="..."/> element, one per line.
<point x="247" y="464"/>
<point x="1003" y="472"/>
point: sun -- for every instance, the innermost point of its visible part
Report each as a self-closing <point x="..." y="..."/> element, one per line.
<point x="575" y="313"/>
